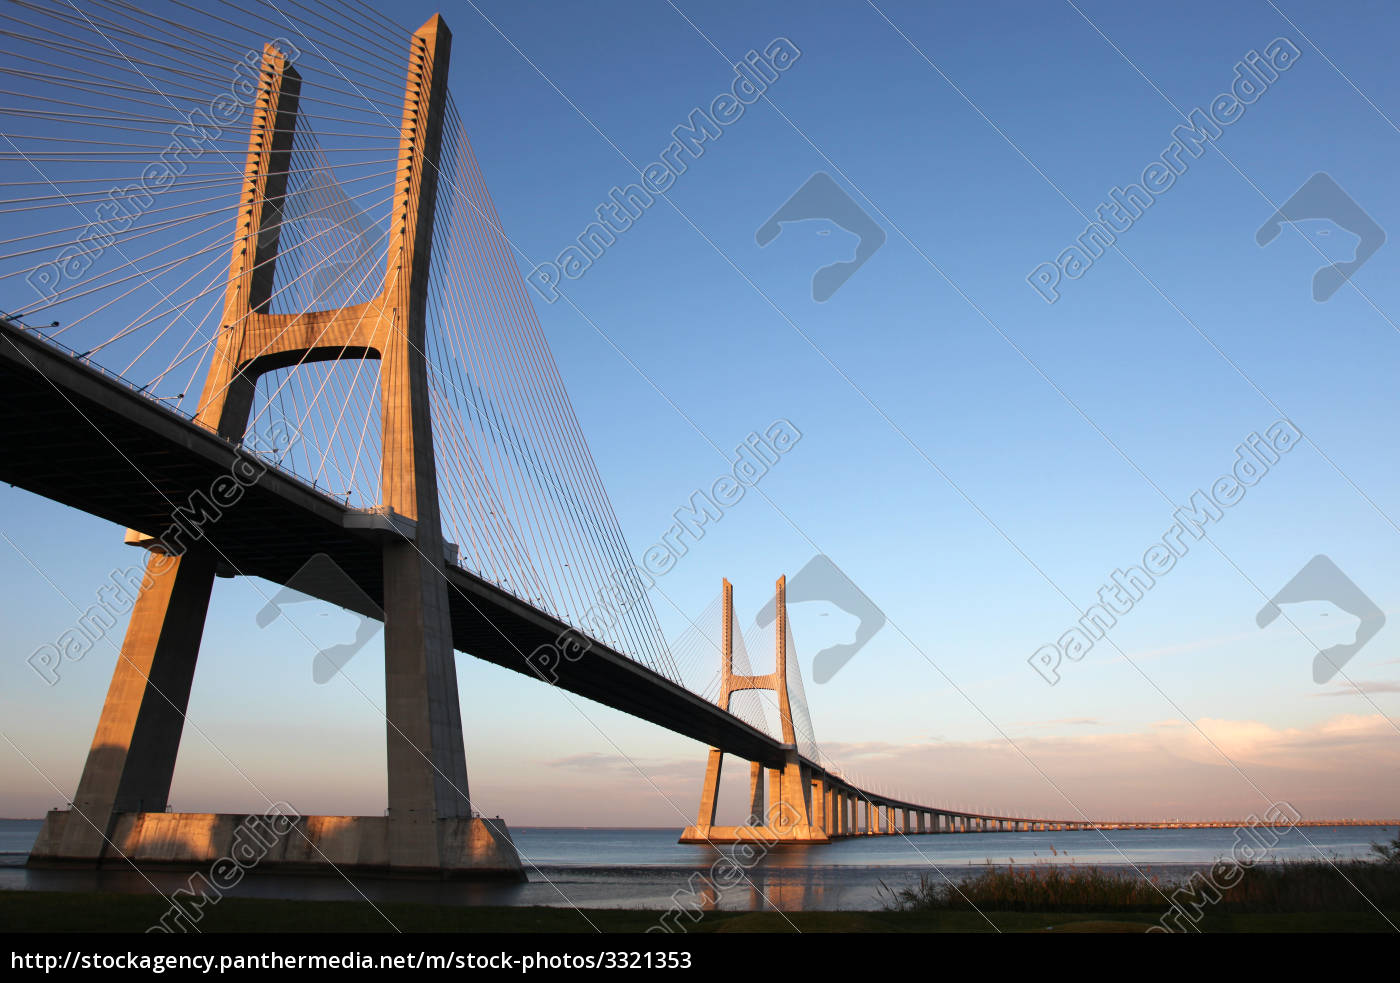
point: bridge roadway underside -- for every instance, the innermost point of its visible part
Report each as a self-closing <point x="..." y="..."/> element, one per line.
<point x="76" y="436"/>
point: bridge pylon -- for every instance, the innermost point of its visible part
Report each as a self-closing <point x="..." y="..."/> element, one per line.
<point x="118" y="812"/>
<point x="796" y="800"/>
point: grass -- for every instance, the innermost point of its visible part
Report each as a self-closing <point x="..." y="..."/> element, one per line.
<point x="1033" y="888"/>
<point x="1301" y="896"/>
<point x="40" y="911"/>
<point x="1290" y="888"/>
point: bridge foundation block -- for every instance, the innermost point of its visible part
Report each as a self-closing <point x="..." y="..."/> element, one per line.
<point x="279" y="842"/>
<point x="788" y="819"/>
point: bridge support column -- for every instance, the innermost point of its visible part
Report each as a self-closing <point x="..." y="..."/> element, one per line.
<point x="429" y="827"/>
<point x="756" y="809"/>
<point x="794" y="814"/>
<point x="132" y="760"/>
<point x="709" y="792"/>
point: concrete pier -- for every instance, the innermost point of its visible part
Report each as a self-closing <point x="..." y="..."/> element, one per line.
<point x="465" y="847"/>
<point x="123" y="793"/>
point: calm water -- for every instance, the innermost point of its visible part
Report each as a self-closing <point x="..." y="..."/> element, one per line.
<point x="643" y="868"/>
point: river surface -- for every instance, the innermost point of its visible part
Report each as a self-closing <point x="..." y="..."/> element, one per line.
<point x="647" y="868"/>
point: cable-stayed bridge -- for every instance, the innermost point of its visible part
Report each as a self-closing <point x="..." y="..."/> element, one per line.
<point x="259" y="310"/>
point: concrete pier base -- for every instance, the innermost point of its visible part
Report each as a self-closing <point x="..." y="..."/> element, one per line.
<point x="766" y="835"/>
<point x="277" y="842"/>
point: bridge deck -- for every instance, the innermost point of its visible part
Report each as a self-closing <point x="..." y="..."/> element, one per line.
<point x="78" y="436"/>
<point x="140" y="460"/>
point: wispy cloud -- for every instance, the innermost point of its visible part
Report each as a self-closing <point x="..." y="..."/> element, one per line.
<point x="1214" y="768"/>
<point x="1060" y="722"/>
<point x="1357" y="687"/>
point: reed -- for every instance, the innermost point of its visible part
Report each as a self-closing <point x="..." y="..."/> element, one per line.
<point x="1292" y="886"/>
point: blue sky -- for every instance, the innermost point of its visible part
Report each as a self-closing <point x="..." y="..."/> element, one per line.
<point x="977" y="460"/>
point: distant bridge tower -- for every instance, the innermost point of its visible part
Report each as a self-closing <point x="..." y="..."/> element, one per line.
<point x="119" y="808"/>
<point x="797" y="799"/>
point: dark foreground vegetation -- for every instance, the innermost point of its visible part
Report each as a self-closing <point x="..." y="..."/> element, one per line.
<point x="1297" y="890"/>
<point x="1304" y="896"/>
<point x="31" y="912"/>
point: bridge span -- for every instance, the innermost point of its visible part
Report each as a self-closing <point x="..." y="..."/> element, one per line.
<point x="461" y="430"/>
<point x="145" y="466"/>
